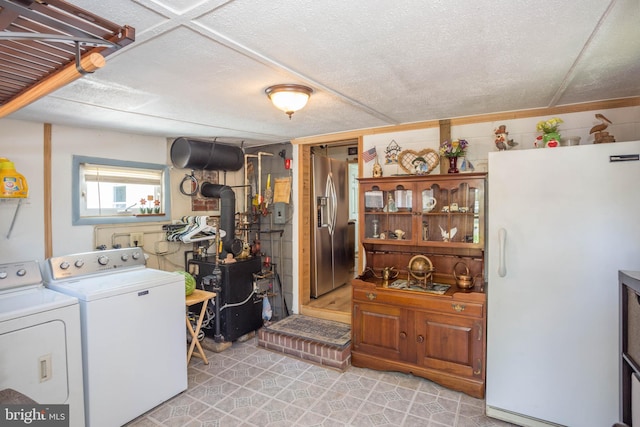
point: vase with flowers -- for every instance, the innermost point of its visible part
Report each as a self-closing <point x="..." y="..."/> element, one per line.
<point x="550" y="136"/>
<point x="452" y="150"/>
<point x="156" y="206"/>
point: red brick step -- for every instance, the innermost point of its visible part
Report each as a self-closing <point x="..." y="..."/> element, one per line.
<point x="306" y="349"/>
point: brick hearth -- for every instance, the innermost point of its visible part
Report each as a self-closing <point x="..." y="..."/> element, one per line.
<point x="313" y="351"/>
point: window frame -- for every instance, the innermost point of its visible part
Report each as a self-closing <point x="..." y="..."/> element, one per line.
<point x="77" y="219"/>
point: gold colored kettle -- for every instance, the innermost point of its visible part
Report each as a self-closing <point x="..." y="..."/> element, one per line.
<point x="387" y="273"/>
<point x="464" y="280"/>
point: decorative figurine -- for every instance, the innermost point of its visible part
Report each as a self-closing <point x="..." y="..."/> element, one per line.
<point x="467" y="165"/>
<point x="448" y="235"/>
<point x="420" y="165"/>
<point x="377" y="169"/>
<point x="391" y="205"/>
<point x="598" y="130"/>
<point x="502" y="141"/>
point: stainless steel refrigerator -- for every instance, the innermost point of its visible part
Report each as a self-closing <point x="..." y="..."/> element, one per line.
<point x="561" y="223"/>
<point x="332" y="255"/>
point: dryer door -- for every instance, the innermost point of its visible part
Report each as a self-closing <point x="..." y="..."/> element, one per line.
<point x="33" y="361"/>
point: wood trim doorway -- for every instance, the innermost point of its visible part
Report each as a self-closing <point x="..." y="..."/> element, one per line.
<point x="332" y="310"/>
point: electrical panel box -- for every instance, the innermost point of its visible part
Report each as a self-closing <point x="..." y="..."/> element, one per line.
<point x="279" y="213"/>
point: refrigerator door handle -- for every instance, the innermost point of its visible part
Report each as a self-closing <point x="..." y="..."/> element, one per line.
<point x="332" y="199"/>
<point x="502" y="240"/>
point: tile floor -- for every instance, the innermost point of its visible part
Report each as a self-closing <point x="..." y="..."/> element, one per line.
<point x="247" y="385"/>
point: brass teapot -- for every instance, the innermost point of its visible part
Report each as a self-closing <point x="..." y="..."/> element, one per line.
<point x="387" y="273"/>
<point x="465" y="280"/>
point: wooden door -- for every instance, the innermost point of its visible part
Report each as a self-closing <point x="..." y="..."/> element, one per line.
<point x="450" y="343"/>
<point x="379" y="331"/>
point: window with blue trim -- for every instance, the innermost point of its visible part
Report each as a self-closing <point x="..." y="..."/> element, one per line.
<point x="118" y="191"/>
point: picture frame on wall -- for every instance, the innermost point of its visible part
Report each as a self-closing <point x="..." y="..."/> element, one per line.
<point x="352" y="151"/>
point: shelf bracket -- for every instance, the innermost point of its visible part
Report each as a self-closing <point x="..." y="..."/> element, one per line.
<point x="15" y="215"/>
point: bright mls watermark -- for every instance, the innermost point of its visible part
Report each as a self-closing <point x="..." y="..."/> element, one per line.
<point x="34" y="415"/>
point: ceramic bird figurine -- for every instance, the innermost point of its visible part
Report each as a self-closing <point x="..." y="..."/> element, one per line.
<point x="448" y="235"/>
<point x="602" y="126"/>
<point x="598" y="131"/>
<point x="502" y="141"/>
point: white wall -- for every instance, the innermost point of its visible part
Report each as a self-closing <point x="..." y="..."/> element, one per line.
<point x="625" y="127"/>
<point x="69" y="141"/>
<point x="22" y="143"/>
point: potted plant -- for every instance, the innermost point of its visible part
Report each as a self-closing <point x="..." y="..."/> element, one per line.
<point x="549" y="128"/>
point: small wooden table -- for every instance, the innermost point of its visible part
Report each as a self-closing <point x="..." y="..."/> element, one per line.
<point x="198" y="296"/>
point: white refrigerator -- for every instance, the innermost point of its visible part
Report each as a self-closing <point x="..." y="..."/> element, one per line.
<point x="561" y="223"/>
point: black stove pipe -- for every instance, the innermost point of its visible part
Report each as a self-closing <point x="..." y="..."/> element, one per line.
<point x="206" y="155"/>
<point x="227" y="215"/>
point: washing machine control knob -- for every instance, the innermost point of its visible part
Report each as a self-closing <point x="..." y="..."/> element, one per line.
<point x="124" y="257"/>
<point x="21" y="272"/>
<point x="64" y="265"/>
<point x="103" y="260"/>
<point x="79" y="263"/>
<point x="135" y="255"/>
<point x="3" y="274"/>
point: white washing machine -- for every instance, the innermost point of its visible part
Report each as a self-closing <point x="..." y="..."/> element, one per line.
<point x="133" y="331"/>
<point x="40" y="349"/>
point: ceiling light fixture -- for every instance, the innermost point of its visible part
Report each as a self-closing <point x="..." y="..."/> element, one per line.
<point x="289" y="97"/>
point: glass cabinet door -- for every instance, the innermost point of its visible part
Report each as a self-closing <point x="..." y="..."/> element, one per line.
<point x="388" y="212"/>
<point x="450" y="212"/>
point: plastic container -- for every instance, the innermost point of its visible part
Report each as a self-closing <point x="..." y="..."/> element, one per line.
<point x="570" y="141"/>
<point x="12" y="183"/>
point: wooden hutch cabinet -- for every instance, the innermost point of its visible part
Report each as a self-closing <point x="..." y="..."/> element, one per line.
<point x="439" y="336"/>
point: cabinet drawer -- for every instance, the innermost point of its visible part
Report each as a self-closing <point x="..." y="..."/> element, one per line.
<point x="464" y="308"/>
<point x="419" y="301"/>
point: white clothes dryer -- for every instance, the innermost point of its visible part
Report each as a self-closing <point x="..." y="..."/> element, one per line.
<point x="40" y="348"/>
